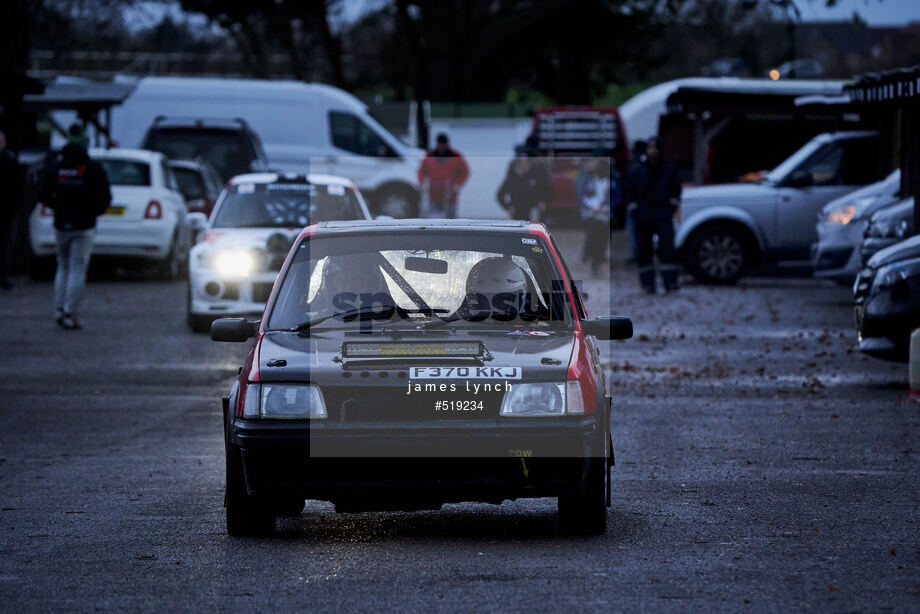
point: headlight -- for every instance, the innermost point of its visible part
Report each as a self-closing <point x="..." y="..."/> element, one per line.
<point x="888" y="276"/>
<point x="543" y="400"/>
<point x="284" y="401"/>
<point x="902" y="229"/>
<point x="840" y="217"/>
<point x="234" y="263"/>
<point x="879" y="229"/>
<point x="889" y="229"/>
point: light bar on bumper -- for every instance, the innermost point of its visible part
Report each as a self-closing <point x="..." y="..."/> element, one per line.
<point x="450" y="349"/>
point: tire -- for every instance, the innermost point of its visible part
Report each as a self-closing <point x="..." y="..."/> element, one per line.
<point x="198" y="323"/>
<point x="396" y="202"/>
<point x="171" y="266"/>
<point x="718" y="254"/>
<point x="585" y="512"/>
<point x="247" y="516"/>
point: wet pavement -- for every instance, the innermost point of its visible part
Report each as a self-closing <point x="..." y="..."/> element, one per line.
<point x="762" y="463"/>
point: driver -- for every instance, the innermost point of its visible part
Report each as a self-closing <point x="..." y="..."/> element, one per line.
<point x="496" y="287"/>
<point x="353" y="283"/>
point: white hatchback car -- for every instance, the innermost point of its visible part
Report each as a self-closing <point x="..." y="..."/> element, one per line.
<point x="145" y="221"/>
<point x="233" y="266"/>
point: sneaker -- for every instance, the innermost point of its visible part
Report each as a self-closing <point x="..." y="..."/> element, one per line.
<point x="60" y="321"/>
<point x="70" y="322"/>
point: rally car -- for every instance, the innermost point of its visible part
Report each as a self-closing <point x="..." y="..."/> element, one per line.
<point x="250" y="231"/>
<point x="404" y="364"/>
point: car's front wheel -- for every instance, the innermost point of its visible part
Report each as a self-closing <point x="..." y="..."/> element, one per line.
<point x="171" y="266"/>
<point x="718" y="254"/>
<point x="585" y="512"/>
<point x="198" y="323"/>
<point x="246" y="515"/>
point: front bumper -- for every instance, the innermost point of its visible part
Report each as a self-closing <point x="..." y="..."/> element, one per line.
<point x="884" y="320"/>
<point x="872" y="245"/>
<point x="418" y="462"/>
<point x="214" y="295"/>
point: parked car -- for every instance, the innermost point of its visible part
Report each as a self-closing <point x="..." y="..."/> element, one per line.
<point x="304" y="127"/>
<point x="887" y="297"/>
<point x="407" y="364"/>
<point x="146" y="220"/>
<point x="727" y="228"/>
<point x="888" y="226"/>
<point x="256" y="218"/>
<point x="230" y="146"/>
<point x="842" y="224"/>
<point x="199" y="183"/>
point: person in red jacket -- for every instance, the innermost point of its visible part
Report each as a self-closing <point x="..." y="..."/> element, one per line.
<point x="446" y="171"/>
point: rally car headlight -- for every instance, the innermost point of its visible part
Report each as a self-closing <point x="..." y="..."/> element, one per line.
<point x="284" y="401"/>
<point x="543" y="400"/>
<point x="233" y="263"/>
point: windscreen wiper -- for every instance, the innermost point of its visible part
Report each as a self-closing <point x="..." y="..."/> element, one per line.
<point x="304" y="326"/>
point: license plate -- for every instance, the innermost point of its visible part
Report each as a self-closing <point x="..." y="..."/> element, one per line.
<point x="465" y="373"/>
<point x="115" y="211"/>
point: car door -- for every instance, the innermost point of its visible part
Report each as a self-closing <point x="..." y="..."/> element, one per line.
<point x="833" y="170"/>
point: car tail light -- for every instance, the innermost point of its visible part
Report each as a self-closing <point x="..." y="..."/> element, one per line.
<point x="47" y="211"/>
<point x="154" y="210"/>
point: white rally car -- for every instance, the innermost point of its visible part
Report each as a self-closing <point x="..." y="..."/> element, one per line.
<point x="233" y="266"/>
<point x="145" y="221"/>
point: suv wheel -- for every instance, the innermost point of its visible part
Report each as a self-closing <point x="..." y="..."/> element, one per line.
<point x="718" y="254"/>
<point x="395" y="202"/>
<point x="246" y="515"/>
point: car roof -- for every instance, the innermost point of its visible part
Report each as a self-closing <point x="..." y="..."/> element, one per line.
<point x="844" y="134"/>
<point x="142" y="155"/>
<point x="274" y="177"/>
<point x="190" y="164"/>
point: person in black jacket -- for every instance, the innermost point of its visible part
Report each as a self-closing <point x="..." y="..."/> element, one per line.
<point x="77" y="189"/>
<point x="527" y="185"/>
<point x="653" y="195"/>
<point x="11" y="184"/>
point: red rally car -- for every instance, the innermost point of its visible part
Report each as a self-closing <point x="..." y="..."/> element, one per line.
<point x="405" y="364"/>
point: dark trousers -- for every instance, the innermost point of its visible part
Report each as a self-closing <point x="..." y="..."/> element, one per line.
<point x="6" y="249"/>
<point x="597" y="234"/>
<point x="645" y="232"/>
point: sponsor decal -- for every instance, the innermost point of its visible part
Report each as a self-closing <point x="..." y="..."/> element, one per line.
<point x="528" y="241"/>
<point x="246" y="188"/>
<point x="530" y="333"/>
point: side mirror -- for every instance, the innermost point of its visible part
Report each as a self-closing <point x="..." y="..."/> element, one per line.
<point x="233" y="329"/>
<point x="197" y="221"/>
<point x="801" y="179"/>
<point x="607" y="328"/>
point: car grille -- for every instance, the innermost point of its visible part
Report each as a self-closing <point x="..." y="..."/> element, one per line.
<point x="862" y="285"/>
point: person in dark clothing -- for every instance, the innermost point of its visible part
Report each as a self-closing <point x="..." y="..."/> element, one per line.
<point x="653" y="195"/>
<point x="525" y="186"/>
<point x="638" y="152"/>
<point x="11" y="184"/>
<point x="77" y="190"/>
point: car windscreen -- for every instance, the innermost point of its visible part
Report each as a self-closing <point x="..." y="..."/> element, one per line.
<point x="228" y="151"/>
<point x="423" y="279"/>
<point x="191" y="183"/>
<point x="126" y="172"/>
<point x="792" y="162"/>
<point x="285" y="205"/>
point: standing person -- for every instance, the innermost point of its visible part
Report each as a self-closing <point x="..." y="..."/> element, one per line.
<point x="653" y="194"/>
<point x="541" y="169"/>
<point x="77" y="190"/>
<point x="446" y="171"/>
<point x="638" y="153"/>
<point x="525" y="186"/>
<point x="592" y="189"/>
<point x="11" y="183"/>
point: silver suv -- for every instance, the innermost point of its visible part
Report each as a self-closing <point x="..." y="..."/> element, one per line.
<point x="727" y="228"/>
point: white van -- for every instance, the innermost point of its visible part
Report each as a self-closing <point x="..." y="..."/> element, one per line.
<point x="304" y="127"/>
